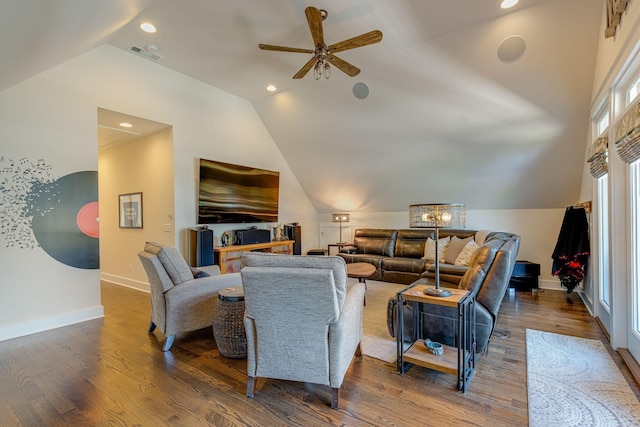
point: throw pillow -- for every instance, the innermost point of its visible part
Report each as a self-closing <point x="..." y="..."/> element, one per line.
<point x="442" y="251"/>
<point x="456" y="245"/>
<point x="467" y="252"/>
<point x="430" y="248"/>
<point x="481" y="236"/>
<point x="198" y="273"/>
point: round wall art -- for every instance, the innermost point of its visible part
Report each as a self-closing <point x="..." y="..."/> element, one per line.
<point x="65" y="220"/>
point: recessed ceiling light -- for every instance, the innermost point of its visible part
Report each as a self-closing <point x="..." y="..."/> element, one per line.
<point x="126" y="125"/>
<point x="506" y="4"/>
<point x="148" y="27"/>
<point x="272" y="88"/>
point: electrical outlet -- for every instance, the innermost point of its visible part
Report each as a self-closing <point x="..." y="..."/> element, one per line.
<point x="130" y="268"/>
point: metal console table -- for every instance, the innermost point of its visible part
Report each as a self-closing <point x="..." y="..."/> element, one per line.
<point x="459" y="360"/>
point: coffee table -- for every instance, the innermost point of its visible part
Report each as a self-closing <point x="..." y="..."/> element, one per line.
<point x="360" y="271"/>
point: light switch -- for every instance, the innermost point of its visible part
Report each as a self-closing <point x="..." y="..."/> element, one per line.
<point x="167" y="228"/>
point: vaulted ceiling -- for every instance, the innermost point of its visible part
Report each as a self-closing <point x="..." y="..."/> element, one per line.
<point x="453" y="113"/>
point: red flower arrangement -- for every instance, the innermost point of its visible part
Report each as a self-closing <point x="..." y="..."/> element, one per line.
<point x="571" y="273"/>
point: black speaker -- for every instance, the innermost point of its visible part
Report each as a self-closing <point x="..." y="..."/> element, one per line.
<point x="294" y="232"/>
<point x="251" y="236"/>
<point x="200" y="247"/>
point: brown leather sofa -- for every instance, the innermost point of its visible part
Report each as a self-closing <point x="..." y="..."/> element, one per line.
<point x="398" y="255"/>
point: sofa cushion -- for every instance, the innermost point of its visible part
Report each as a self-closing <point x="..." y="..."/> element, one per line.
<point x="448" y="273"/>
<point x="459" y="270"/>
<point x="467" y="252"/>
<point x="411" y="265"/>
<point x="375" y="241"/>
<point x="454" y="248"/>
<point x="430" y="248"/>
<point x="410" y="243"/>
<point x="375" y="260"/>
<point x="172" y="261"/>
<point x="479" y="266"/>
<point x="499" y="274"/>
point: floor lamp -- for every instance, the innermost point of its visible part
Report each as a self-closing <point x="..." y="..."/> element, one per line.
<point x="340" y="218"/>
<point x="437" y="216"/>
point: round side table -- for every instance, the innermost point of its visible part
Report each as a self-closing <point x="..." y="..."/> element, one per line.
<point x="360" y="271"/>
<point x="228" y="323"/>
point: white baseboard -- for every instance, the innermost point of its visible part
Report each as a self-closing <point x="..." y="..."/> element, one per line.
<point x="550" y="284"/>
<point x="46" y="324"/>
<point x="123" y="281"/>
<point x="554" y="285"/>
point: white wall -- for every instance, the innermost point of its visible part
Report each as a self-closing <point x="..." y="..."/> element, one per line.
<point x="54" y="116"/>
<point x="46" y="118"/>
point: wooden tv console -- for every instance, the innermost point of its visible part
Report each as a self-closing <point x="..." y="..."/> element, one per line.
<point x="228" y="257"/>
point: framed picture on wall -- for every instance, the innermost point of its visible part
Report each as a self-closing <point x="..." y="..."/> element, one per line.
<point x="130" y="210"/>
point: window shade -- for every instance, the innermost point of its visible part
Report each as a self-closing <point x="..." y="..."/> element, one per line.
<point x="627" y="133"/>
<point x="598" y="161"/>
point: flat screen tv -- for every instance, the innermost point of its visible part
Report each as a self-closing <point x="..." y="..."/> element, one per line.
<point x="230" y="193"/>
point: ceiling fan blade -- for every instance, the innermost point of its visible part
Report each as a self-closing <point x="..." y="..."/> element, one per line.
<point x="314" y="18"/>
<point x="358" y="41"/>
<point x="283" y="48"/>
<point x="305" y="69"/>
<point x="343" y="65"/>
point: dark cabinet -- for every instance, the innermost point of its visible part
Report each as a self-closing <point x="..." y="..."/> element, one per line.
<point x="525" y="276"/>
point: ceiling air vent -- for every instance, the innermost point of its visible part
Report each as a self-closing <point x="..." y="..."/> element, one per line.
<point x="149" y="52"/>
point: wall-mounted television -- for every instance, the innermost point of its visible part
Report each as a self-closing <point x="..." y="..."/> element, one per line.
<point x="229" y="193"/>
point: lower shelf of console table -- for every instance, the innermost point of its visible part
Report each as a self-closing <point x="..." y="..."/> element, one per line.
<point x="446" y="362"/>
<point x="228" y="257"/>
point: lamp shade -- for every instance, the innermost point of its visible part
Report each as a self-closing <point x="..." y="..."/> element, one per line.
<point x="340" y="217"/>
<point x="437" y="215"/>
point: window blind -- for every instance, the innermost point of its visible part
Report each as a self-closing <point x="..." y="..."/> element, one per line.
<point x="598" y="161"/>
<point x="627" y="133"/>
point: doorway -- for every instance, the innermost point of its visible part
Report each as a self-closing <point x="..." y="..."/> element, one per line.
<point x="135" y="157"/>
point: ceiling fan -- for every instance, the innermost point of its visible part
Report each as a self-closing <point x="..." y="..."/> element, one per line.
<point x="323" y="55"/>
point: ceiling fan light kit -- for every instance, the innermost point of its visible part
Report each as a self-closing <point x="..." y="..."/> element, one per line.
<point x="324" y="55"/>
<point x="321" y="68"/>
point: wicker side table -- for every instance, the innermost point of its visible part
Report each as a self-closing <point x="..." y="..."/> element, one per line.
<point x="228" y="323"/>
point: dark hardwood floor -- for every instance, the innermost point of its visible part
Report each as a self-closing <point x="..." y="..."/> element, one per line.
<point x="111" y="372"/>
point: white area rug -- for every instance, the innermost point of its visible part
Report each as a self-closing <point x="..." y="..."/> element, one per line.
<point x="573" y="382"/>
<point x="377" y="342"/>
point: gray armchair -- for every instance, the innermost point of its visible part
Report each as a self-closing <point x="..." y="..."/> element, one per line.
<point x="303" y="322"/>
<point x="179" y="302"/>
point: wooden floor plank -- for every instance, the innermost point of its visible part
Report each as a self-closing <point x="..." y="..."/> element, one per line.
<point x="111" y="372"/>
